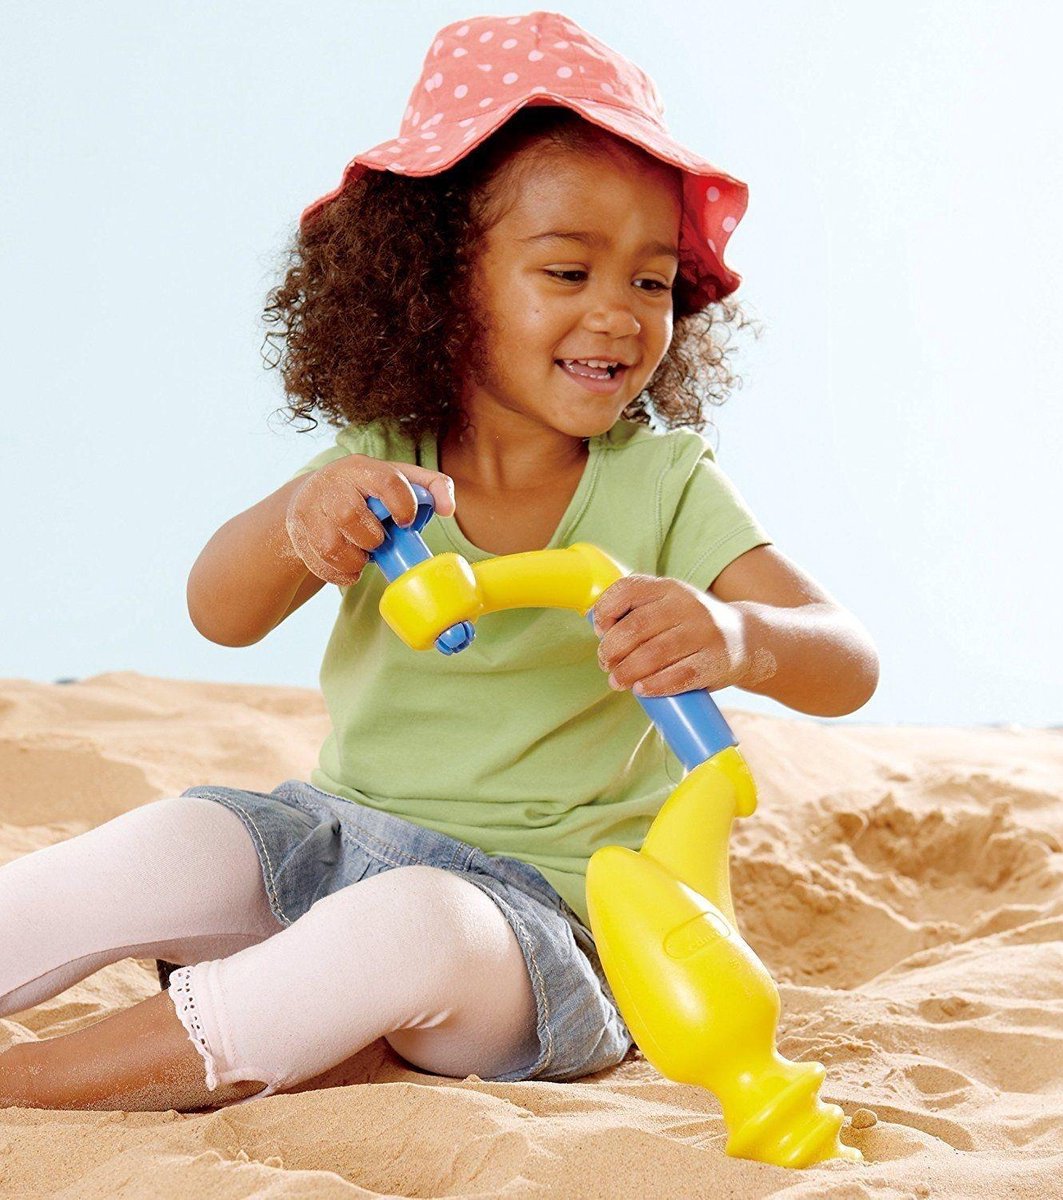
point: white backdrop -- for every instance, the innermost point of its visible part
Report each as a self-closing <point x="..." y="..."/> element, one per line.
<point x="899" y="429"/>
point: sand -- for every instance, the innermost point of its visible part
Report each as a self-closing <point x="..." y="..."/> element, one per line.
<point x="902" y="884"/>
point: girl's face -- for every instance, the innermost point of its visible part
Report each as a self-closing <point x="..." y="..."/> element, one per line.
<point x="601" y="291"/>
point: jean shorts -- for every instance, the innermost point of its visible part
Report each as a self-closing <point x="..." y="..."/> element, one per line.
<point x="311" y="843"/>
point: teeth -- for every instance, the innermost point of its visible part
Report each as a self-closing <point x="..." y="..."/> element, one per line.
<point x="600" y="363"/>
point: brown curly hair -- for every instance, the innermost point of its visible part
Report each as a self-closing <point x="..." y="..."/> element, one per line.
<point x="377" y="315"/>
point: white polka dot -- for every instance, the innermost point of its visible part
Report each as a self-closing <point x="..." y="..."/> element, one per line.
<point x="438" y="162"/>
<point x="486" y="36"/>
<point x="434" y="120"/>
<point x="538" y="88"/>
<point x="462" y="31"/>
<point x="428" y="85"/>
<point x="437" y="79"/>
<point x="409" y="112"/>
<point x="514" y="20"/>
<point x="607" y="88"/>
<point x="712" y="195"/>
<point x="402" y="141"/>
<point x="560" y="45"/>
<point x="466" y="121"/>
<point x="486" y="101"/>
<point x="712" y="245"/>
<point x="460" y="52"/>
<point x="510" y="77"/>
<point x="581" y="70"/>
<point x="392" y="149"/>
<point x="509" y="43"/>
<point x="394" y="166"/>
<point x="564" y="72"/>
<point x="416" y="119"/>
<point x="429" y="135"/>
<point x="469" y="136"/>
<point x="437" y="47"/>
<point x="534" y="55"/>
<point x="432" y="149"/>
<point x="375" y="154"/>
<point x="728" y="224"/>
<point x="484" y="66"/>
<point x="460" y="92"/>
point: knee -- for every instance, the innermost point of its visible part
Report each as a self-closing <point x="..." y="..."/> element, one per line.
<point x="448" y="923"/>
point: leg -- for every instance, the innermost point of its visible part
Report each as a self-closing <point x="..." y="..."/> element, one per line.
<point x="177" y="877"/>
<point x="139" y="1058"/>
<point x="404" y="954"/>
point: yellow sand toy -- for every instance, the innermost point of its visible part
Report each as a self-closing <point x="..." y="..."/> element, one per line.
<point x="698" y="1002"/>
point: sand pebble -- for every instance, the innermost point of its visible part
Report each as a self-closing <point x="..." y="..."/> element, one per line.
<point x="274" y="1160"/>
<point x="863" y="1118"/>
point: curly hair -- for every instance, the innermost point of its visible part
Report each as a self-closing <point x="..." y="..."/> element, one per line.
<point x="377" y="313"/>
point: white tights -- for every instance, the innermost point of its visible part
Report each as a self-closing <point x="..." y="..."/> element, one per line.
<point x="414" y="954"/>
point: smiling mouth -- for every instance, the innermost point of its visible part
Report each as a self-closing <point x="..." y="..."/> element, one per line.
<point x="589" y="373"/>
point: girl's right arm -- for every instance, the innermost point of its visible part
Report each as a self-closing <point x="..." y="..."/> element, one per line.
<point x="265" y="562"/>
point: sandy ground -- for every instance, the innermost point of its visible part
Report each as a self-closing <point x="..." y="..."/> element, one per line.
<point x="902" y="884"/>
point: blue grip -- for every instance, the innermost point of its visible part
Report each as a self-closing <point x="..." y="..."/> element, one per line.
<point x="689" y="722"/>
<point x="403" y="548"/>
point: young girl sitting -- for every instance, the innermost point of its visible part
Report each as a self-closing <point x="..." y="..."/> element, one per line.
<point x="492" y="305"/>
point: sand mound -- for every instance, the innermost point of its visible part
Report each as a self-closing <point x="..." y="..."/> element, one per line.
<point x="903" y="885"/>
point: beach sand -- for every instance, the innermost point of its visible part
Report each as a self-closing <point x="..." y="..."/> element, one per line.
<point x="902" y="884"/>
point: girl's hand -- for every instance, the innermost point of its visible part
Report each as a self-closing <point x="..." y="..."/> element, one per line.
<point x="332" y="528"/>
<point x="663" y="636"/>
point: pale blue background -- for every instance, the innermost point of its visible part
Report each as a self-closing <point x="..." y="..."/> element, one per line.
<point x="899" y="431"/>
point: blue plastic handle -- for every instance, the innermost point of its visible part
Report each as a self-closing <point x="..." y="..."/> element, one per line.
<point x="689" y="722"/>
<point x="403" y="548"/>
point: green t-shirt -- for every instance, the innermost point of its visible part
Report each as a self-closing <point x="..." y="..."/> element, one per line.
<point x="517" y="744"/>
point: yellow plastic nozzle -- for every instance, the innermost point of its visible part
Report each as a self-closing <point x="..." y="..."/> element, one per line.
<point x="698" y="1001"/>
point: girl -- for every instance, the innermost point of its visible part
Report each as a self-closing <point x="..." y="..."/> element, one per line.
<point x="485" y="306"/>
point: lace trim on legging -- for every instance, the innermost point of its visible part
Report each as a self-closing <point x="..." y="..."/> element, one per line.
<point x="180" y="992"/>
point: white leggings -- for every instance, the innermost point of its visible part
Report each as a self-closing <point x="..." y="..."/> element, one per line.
<point x="415" y="954"/>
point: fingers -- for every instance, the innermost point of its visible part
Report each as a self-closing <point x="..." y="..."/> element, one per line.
<point x="620" y="598"/>
<point x="324" y="550"/>
<point x="441" y="486"/>
<point x="331" y="525"/>
<point x="642" y="656"/>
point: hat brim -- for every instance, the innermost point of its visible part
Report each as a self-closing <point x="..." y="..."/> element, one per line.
<point x="713" y="201"/>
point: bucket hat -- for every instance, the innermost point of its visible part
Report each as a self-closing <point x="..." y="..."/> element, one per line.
<point x="478" y="72"/>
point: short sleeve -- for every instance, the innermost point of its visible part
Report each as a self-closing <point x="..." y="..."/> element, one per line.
<point x="711" y="525"/>
<point x="353" y="439"/>
<point x="330" y="454"/>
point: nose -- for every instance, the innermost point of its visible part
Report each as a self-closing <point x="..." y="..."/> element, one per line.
<point x="610" y="312"/>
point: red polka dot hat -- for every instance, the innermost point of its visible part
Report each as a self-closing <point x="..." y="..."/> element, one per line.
<point x="480" y="71"/>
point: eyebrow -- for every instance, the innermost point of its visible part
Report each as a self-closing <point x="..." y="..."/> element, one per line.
<point x="597" y="239"/>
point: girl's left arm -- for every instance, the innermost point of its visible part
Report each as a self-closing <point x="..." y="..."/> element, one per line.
<point x="763" y="625"/>
<point x="805" y="650"/>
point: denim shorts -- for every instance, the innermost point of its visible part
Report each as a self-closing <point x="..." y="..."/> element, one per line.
<point x="311" y="843"/>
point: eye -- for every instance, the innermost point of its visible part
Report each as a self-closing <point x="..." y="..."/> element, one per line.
<point x="657" y="285"/>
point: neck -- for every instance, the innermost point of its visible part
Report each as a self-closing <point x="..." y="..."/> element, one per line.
<point x="500" y="456"/>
